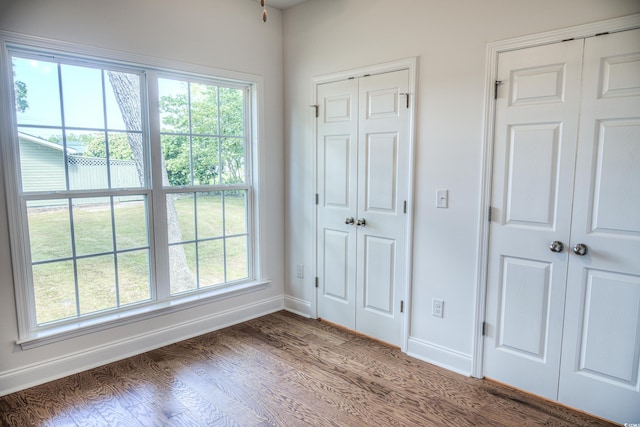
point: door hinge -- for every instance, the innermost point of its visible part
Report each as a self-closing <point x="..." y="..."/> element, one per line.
<point x="489" y="214"/>
<point x="317" y="281"/>
<point x="406" y="95"/>
<point x="401" y="306"/>
<point x="405" y="206"/>
<point x="317" y="199"/>
<point x="495" y="88"/>
<point x="317" y="107"/>
<point x="485" y="328"/>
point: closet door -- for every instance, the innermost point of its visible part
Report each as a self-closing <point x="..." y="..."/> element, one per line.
<point x="601" y="346"/>
<point x="383" y="182"/>
<point x="337" y="168"/>
<point x="363" y="183"/>
<point x="537" y="108"/>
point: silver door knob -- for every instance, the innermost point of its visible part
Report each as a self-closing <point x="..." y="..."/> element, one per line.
<point x="556" y="246"/>
<point x="361" y="222"/>
<point x="349" y="221"/>
<point x="580" y="249"/>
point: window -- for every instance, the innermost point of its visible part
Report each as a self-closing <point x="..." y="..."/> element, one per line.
<point x="124" y="201"/>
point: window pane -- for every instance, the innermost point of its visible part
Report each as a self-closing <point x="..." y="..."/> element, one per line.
<point x="42" y="160"/>
<point x="87" y="160"/>
<point x="181" y="218"/>
<point x="127" y="170"/>
<point x="37" y="92"/>
<point x="92" y="226"/>
<point x="177" y="159"/>
<point x="231" y="112"/>
<point x="205" y="161"/>
<point x="174" y="106"/>
<point x="96" y="283"/>
<point x="211" y="263"/>
<point x="122" y="94"/>
<point x="235" y="212"/>
<point x="133" y="277"/>
<point x="82" y="96"/>
<point x="54" y="289"/>
<point x="182" y="267"/>
<point x="232" y="152"/>
<point x="209" y="215"/>
<point x="131" y="222"/>
<point x="204" y="109"/>
<point x="49" y="229"/>
<point x="237" y="266"/>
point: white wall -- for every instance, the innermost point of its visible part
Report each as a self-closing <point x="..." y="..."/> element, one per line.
<point x="450" y="39"/>
<point x="224" y="34"/>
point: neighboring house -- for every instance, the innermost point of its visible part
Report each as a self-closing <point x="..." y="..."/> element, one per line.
<point x="42" y="163"/>
<point x="43" y="167"/>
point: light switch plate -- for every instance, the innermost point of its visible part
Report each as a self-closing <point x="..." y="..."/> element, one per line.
<point x="442" y="198"/>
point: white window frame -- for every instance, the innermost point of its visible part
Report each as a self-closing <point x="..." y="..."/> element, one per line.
<point x="30" y="334"/>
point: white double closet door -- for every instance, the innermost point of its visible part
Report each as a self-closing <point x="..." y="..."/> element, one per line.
<point x="563" y="285"/>
<point x="362" y="185"/>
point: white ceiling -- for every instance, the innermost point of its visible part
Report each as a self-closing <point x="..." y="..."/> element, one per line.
<point x="283" y="4"/>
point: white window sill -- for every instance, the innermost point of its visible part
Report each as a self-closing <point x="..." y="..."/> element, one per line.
<point x="135" y="314"/>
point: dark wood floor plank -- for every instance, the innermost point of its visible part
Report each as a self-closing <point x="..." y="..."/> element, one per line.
<point x="279" y="370"/>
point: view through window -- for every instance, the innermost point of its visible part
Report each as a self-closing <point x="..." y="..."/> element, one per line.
<point x="87" y="186"/>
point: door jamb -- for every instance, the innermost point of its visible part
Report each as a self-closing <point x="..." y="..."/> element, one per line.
<point x="410" y="64"/>
<point x="493" y="50"/>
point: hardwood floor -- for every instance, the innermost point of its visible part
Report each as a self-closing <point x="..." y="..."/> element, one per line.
<point x="278" y="370"/>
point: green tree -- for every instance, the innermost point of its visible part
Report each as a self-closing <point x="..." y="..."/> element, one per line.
<point x="20" y="90"/>
<point x="215" y="154"/>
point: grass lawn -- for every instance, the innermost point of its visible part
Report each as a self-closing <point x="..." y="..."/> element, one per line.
<point x="98" y="264"/>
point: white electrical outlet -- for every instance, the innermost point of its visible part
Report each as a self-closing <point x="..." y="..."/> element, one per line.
<point x="300" y="271"/>
<point x="438" y="308"/>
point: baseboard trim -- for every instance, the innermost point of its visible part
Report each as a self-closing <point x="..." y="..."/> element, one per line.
<point x="298" y="306"/>
<point x="29" y="376"/>
<point x="440" y="356"/>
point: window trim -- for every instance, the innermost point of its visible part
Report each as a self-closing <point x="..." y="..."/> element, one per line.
<point x="29" y="334"/>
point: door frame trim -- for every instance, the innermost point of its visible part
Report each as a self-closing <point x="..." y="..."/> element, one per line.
<point x="493" y="50"/>
<point x="410" y="64"/>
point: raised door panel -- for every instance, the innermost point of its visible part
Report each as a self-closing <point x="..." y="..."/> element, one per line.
<point x="379" y="266"/>
<point x="336" y="255"/>
<point x="532" y="175"/>
<point x="381" y="171"/>
<point x="336" y="174"/>
<point x="523" y="322"/>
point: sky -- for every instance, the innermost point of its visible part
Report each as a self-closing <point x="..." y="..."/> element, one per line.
<point x="82" y="94"/>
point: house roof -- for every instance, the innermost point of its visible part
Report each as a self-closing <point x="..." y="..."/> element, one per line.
<point x="48" y="144"/>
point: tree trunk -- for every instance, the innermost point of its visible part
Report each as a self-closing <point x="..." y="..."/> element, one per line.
<point x="126" y="88"/>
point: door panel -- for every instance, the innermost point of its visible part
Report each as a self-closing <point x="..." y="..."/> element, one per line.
<point x="382" y="173"/>
<point x="532" y="175"/>
<point x="336" y="272"/>
<point x="337" y="161"/>
<point x="379" y="275"/>
<point x="537" y="110"/>
<point x="337" y="190"/>
<point x="524" y="308"/>
<point x="617" y="164"/>
<point x="383" y="186"/>
<point x="601" y="344"/>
